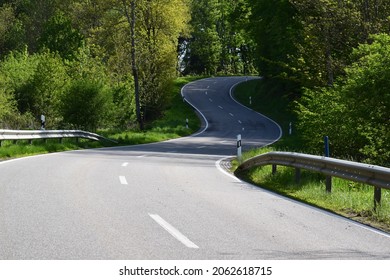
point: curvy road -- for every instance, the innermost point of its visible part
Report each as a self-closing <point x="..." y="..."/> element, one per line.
<point x="169" y="200"/>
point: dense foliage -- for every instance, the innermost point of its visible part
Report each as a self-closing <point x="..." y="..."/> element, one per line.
<point x="111" y="62"/>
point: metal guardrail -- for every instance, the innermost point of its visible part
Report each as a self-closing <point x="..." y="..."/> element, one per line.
<point x="15" y="135"/>
<point x="377" y="176"/>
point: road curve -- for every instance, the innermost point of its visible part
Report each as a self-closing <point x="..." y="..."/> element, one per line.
<point x="169" y="200"/>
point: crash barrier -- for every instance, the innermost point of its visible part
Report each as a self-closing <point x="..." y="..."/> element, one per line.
<point x="377" y="176"/>
<point x="15" y="135"/>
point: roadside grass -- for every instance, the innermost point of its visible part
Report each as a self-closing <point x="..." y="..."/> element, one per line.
<point x="24" y="148"/>
<point x="172" y="124"/>
<point x="348" y="199"/>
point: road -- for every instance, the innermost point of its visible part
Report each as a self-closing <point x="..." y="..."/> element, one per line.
<point x="168" y="200"/>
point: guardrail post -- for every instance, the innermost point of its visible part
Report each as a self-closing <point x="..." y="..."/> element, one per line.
<point x="328" y="183"/>
<point x="297" y="175"/>
<point x="274" y="169"/>
<point x="328" y="180"/>
<point x="377" y="197"/>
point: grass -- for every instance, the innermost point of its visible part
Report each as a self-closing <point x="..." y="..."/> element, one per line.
<point x="349" y="199"/>
<point x="171" y="125"/>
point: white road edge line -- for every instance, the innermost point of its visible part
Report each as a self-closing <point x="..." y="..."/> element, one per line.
<point x="123" y="180"/>
<point x="174" y="232"/>
<point x="125" y="164"/>
<point x="218" y="165"/>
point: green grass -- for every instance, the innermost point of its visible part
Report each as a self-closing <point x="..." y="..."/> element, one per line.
<point x="172" y="124"/>
<point x="349" y="199"/>
<point x="24" y="148"/>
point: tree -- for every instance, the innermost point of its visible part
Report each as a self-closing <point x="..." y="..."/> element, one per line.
<point x="11" y="30"/>
<point x="355" y="112"/>
<point x="154" y="28"/>
<point x="59" y="36"/>
<point x="276" y="31"/>
<point x="204" y="48"/>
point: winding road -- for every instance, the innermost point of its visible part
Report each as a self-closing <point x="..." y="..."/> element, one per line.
<point x="169" y="200"/>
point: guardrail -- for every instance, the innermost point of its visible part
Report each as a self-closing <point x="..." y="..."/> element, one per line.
<point x="377" y="176"/>
<point x="15" y="135"/>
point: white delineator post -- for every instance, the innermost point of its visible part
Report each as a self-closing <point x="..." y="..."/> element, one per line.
<point x="239" y="148"/>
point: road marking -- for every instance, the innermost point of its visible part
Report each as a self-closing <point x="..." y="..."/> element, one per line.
<point x="218" y="165"/>
<point x="201" y="147"/>
<point x="208" y="86"/>
<point x="123" y="180"/>
<point x="210" y="100"/>
<point x="125" y="164"/>
<point x="206" y="93"/>
<point x="240" y="122"/>
<point x="220" y="107"/>
<point x="141" y="156"/>
<point x="231" y="114"/>
<point x="174" y="232"/>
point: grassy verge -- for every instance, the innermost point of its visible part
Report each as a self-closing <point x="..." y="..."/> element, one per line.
<point x="348" y="199"/>
<point x="171" y="125"/>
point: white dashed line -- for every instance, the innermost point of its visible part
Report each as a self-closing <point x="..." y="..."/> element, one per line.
<point x="231" y="114"/>
<point x="240" y="122"/>
<point x="123" y="180"/>
<point x="210" y="100"/>
<point x="125" y="164"/>
<point x="174" y="232"/>
<point x="220" y="107"/>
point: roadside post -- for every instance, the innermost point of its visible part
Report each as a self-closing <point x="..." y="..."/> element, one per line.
<point x="43" y="122"/>
<point x="239" y="148"/>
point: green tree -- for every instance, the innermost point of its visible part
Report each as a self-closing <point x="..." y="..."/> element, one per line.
<point x="355" y="113"/>
<point x="276" y="31"/>
<point x="11" y="30"/>
<point x="59" y="36"/>
<point x="204" y="48"/>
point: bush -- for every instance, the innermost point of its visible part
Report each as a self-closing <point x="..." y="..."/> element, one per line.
<point x="87" y="105"/>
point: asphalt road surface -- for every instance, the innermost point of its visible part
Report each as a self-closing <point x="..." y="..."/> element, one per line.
<point x="169" y="200"/>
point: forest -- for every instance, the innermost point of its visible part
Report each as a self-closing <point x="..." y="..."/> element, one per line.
<point x="89" y="64"/>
